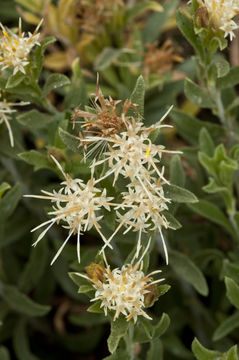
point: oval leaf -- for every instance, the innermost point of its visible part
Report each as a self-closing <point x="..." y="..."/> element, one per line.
<point x="185" y="268"/>
<point x="226" y="327"/>
<point x="178" y="194"/>
<point x="118" y="329"/>
<point x="202" y="353"/>
<point x="232" y="291"/>
<point x="211" y="212"/>
<point x="22" y="303"/>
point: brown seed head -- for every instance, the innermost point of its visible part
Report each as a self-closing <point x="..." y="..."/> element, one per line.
<point x="91" y="14"/>
<point x="159" y="60"/>
<point x="106" y="119"/>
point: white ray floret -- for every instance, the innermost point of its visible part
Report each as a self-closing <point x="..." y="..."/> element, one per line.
<point x="6" y="111"/>
<point x="15" y="49"/>
<point x="77" y="205"/>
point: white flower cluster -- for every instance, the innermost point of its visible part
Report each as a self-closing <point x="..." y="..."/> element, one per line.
<point x="15" y="49"/>
<point x="132" y="155"/>
<point x="221" y="14"/>
<point x="124" y="290"/>
<point x="6" y="111"/>
<point x="77" y="205"/>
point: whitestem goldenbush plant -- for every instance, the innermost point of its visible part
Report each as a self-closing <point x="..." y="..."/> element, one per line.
<point x="117" y="186"/>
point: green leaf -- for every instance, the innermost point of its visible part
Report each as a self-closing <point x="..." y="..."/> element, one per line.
<point x="118" y="329"/>
<point x="162" y="326"/>
<point x="177" y="176"/>
<point x="232" y="291"/>
<point x="21" y="303"/>
<point x="197" y="95"/>
<point x="77" y="279"/>
<point x="88" y="319"/>
<point x="107" y="57"/>
<point x="174" y="223"/>
<point x="55" y="81"/>
<point x="96" y="308"/>
<point x="211" y="212"/>
<point x="186" y="26"/>
<point x="206" y="143"/>
<point x="77" y="94"/>
<point x="230" y="80"/>
<point x="184" y="268"/>
<point x="15" y="80"/>
<point x="83" y="289"/>
<point x="178" y="194"/>
<point x="71" y="141"/>
<point x="119" y="354"/>
<point x="213" y="188"/>
<point x="34" y="119"/>
<point x="155" y="350"/>
<point x="37" y="56"/>
<point x="230" y="270"/>
<point x="137" y="98"/>
<point x="4" y="353"/>
<point x="34" y="268"/>
<point x="30" y="5"/>
<point x="226" y="327"/>
<point x="142" y="7"/>
<point x="37" y="159"/>
<point x="156" y="21"/>
<point x="232" y="353"/>
<point x="222" y="66"/>
<point x="21" y="342"/>
<point x="9" y="201"/>
<point x="189" y="127"/>
<point x="202" y="353"/>
<point x="163" y="289"/>
<point x="147" y="326"/>
<point x="3" y="188"/>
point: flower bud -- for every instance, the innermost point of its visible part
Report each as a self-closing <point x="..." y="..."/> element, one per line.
<point x="95" y="272"/>
<point x="151" y="296"/>
<point x="202" y="17"/>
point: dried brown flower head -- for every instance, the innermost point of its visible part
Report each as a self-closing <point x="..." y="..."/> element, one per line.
<point x="91" y="13"/>
<point x="106" y="119"/>
<point x="159" y="60"/>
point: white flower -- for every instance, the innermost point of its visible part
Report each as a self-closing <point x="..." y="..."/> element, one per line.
<point x="221" y="13"/>
<point x="131" y="153"/>
<point x="76" y="204"/>
<point x="124" y="290"/>
<point x="142" y="210"/>
<point x="5" y="115"/>
<point x="15" y="49"/>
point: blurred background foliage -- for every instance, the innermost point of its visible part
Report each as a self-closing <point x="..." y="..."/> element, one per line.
<point x="41" y="314"/>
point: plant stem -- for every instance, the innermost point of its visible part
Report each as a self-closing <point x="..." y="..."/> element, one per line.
<point x="130" y="341"/>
